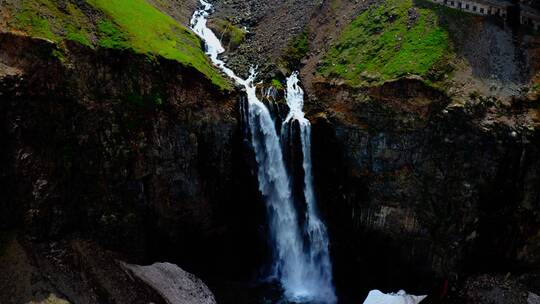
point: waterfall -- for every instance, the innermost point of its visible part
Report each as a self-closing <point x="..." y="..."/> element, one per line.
<point x="301" y="260"/>
<point x="318" y="255"/>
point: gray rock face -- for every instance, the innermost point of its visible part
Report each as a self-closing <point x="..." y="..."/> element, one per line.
<point x="434" y="189"/>
<point x="175" y="285"/>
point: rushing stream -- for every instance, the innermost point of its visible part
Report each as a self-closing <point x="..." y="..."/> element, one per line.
<point x="301" y="260"/>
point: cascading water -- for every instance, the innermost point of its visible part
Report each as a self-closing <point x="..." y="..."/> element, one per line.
<point x="302" y="266"/>
<point x="320" y="277"/>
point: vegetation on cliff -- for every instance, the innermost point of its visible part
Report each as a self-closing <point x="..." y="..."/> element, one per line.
<point x="120" y="24"/>
<point x="296" y="50"/>
<point x="231" y="35"/>
<point x="47" y="19"/>
<point x="388" y="41"/>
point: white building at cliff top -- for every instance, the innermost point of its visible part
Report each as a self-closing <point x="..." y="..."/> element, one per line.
<point x="479" y="7"/>
<point x="527" y="15"/>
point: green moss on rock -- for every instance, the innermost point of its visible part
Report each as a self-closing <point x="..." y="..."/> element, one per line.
<point x="296" y="50"/>
<point x="277" y="84"/>
<point x="47" y="19"/>
<point x="232" y="36"/>
<point x="392" y="39"/>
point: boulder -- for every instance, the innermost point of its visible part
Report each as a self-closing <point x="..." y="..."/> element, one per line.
<point x="175" y="285"/>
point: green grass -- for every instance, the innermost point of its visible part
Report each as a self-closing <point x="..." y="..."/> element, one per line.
<point x="36" y="25"/>
<point x="117" y="24"/>
<point x="110" y="36"/>
<point x="43" y="18"/>
<point x="385" y="43"/>
<point x="78" y="35"/>
<point x="150" y="31"/>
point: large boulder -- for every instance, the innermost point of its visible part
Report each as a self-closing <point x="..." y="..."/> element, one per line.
<point x="175" y="285"/>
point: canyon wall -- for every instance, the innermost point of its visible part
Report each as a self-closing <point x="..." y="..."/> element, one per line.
<point x="143" y="155"/>
<point x="416" y="188"/>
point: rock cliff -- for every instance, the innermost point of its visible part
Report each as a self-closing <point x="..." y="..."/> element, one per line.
<point x="144" y="156"/>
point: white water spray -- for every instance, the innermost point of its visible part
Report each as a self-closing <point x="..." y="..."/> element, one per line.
<point x="303" y="269"/>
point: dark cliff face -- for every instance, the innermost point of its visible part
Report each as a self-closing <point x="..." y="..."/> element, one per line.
<point x="415" y="188"/>
<point x="143" y="155"/>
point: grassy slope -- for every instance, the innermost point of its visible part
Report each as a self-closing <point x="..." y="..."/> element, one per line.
<point x="125" y="24"/>
<point x="390" y="40"/>
<point x="43" y="18"/>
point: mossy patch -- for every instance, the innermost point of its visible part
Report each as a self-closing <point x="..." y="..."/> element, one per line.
<point x="393" y="39"/>
<point x="296" y="50"/>
<point x="110" y="36"/>
<point x="47" y="19"/>
<point x="231" y="35"/>
<point x="34" y="24"/>
<point x="277" y="84"/>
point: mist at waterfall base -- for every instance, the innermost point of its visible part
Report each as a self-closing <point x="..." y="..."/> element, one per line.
<point x="298" y="237"/>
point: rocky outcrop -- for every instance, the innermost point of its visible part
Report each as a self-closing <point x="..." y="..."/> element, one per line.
<point x="416" y="187"/>
<point x="174" y="284"/>
<point x="74" y="271"/>
<point x="271" y="26"/>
